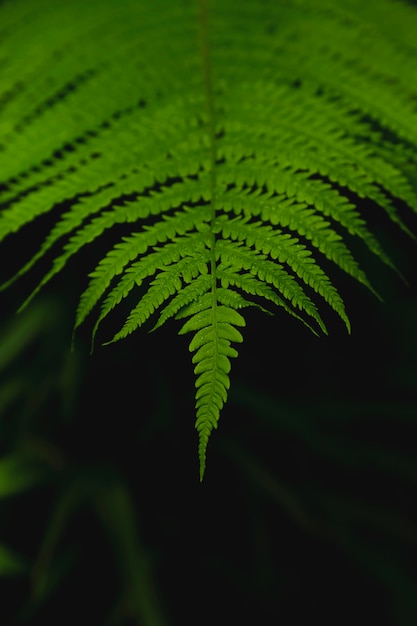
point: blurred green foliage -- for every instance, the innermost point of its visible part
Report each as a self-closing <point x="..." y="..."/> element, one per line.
<point x="308" y="509"/>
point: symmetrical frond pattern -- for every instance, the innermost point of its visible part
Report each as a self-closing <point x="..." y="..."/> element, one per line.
<point x="233" y="142"/>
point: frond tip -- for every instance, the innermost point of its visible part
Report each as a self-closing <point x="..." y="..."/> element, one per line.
<point x="215" y="329"/>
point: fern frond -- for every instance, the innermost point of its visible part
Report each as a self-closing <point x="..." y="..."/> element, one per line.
<point x="300" y="219"/>
<point x="189" y="293"/>
<point x="222" y="153"/>
<point x="169" y="281"/>
<point x="317" y="147"/>
<point x="284" y="249"/>
<point x="215" y="331"/>
<point x="249" y="284"/>
<point x="134" y="275"/>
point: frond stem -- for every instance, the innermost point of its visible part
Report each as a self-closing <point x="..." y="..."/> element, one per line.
<point x="208" y="86"/>
<point x="206" y="67"/>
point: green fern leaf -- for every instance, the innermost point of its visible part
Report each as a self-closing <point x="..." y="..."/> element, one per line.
<point x="214" y="328"/>
<point x="232" y="146"/>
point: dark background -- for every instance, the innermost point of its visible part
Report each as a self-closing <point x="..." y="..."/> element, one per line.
<point x="307" y="509"/>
